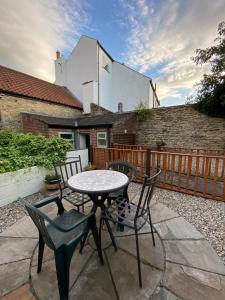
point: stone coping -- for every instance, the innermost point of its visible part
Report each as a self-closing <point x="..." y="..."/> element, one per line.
<point x="183" y="265"/>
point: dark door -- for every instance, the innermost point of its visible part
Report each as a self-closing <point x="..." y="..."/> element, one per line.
<point x="87" y="137"/>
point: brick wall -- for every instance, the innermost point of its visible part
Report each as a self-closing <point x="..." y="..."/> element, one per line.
<point x="182" y="126"/>
<point x="93" y="134"/>
<point x="34" y="126"/>
<point x="12" y="106"/>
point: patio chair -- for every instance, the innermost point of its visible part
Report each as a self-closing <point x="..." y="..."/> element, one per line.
<point x="62" y="234"/>
<point x="67" y="169"/>
<point x="134" y="216"/>
<point x="126" y="169"/>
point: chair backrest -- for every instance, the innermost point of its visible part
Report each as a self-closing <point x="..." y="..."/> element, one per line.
<point x="38" y="218"/>
<point x="122" y="167"/>
<point x="146" y="194"/>
<point x="69" y="168"/>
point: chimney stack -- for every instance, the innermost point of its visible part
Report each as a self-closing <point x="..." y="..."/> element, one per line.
<point x="120" y="107"/>
<point x="58" y="54"/>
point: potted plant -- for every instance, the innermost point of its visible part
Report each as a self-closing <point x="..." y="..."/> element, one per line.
<point x="89" y="167"/>
<point x="160" y="144"/>
<point x="52" y="182"/>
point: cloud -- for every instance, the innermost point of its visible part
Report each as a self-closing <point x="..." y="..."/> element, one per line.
<point x="32" y="30"/>
<point x="164" y="36"/>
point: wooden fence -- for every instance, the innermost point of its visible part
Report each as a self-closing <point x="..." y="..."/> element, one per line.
<point x="172" y="149"/>
<point x="196" y="174"/>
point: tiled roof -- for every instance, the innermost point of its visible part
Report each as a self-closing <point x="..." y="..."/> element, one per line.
<point x="17" y="83"/>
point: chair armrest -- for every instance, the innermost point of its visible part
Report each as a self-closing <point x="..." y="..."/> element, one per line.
<point x="82" y="220"/>
<point x="50" y="221"/>
<point x="49" y="200"/>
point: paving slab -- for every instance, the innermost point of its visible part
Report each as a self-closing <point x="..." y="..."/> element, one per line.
<point x="23" y="228"/>
<point x="13" y="275"/>
<point x="14" y="249"/>
<point x="177" y="228"/>
<point x="189" y="283"/>
<point x="163" y="294"/>
<point x="160" y="212"/>
<point x="198" y="254"/>
<point x="125" y="275"/>
<point x="22" y="293"/>
<point x="45" y="283"/>
<point x="149" y="254"/>
<point x="48" y="255"/>
<point x="94" y="283"/>
<point x="128" y="231"/>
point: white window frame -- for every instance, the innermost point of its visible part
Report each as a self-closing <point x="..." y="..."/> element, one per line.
<point x="67" y="132"/>
<point x="101" y="138"/>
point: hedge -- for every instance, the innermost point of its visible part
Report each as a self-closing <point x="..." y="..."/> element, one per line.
<point x="19" y="151"/>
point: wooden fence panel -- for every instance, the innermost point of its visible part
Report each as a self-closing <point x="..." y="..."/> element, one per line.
<point x="195" y="174"/>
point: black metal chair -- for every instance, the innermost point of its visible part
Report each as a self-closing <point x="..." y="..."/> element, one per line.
<point x="126" y="169"/>
<point x="134" y="216"/>
<point x="67" y="169"/>
<point x="62" y="234"/>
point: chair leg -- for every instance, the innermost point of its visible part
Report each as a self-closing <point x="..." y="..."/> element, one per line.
<point x="111" y="234"/>
<point x="41" y="247"/>
<point x="138" y="259"/>
<point x="62" y="262"/>
<point x="83" y="242"/>
<point x="150" y="221"/>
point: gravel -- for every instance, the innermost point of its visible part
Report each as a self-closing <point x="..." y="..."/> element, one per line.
<point x="14" y="211"/>
<point x="208" y="216"/>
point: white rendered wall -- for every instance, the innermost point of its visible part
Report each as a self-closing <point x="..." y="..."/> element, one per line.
<point x="21" y="183"/>
<point x="80" y="67"/>
<point x="89" y="95"/>
<point x="105" y="80"/>
<point x="129" y="87"/>
<point x="25" y="182"/>
<point x="83" y="156"/>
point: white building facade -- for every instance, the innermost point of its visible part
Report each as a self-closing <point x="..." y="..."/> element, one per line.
<point x="92" y="75"/>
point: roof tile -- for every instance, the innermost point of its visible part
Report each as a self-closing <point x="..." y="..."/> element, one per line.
<point x="14" y="82"/>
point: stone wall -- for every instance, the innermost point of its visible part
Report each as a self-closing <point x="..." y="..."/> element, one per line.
<point x="11" y="107"/>
<point x="182" y="126"/>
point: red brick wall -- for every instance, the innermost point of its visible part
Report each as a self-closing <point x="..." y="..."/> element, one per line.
<point x="93" y="134"/>
<point x="55" y="131"/>
<point x="36" y="127"/>
<point x="33" y="126"/>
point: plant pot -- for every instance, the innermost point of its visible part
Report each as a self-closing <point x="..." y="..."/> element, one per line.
<point x="52" y="185"/>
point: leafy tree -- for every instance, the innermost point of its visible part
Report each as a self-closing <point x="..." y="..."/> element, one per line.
<point x="210" y="97"/>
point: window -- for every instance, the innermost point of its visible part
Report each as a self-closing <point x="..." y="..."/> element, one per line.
<point x="101" y="139"/>
<point x="67" y="136"/>
<point x="106" y="67"/>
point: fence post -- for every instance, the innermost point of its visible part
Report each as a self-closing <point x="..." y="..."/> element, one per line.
<point x="148" y="161"/>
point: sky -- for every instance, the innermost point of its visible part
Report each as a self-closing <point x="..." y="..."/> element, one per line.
<point x="155" y="37"/>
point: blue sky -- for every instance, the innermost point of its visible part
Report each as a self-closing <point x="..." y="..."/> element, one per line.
<point x="155" y="37"/>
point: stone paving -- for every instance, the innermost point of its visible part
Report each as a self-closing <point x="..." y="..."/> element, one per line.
<point x="183" y="265"/>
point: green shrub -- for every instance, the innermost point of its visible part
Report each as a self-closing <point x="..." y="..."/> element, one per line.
<point x="52" y="177"/>
<point x="18" y="151"/>
<point x="160" y="143"/>
<point x="143" y="112"/>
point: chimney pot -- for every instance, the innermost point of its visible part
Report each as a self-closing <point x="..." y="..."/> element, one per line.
<point x="58" y="54"/>
<point x="120" y="107"/>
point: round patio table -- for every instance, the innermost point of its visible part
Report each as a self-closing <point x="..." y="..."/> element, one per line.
<point x="98" y="184"/>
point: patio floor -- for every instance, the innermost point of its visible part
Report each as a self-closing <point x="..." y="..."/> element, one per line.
<point x="183" y="265"/>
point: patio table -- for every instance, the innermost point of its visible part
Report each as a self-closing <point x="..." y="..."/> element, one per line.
<point x="98" y="184"/>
